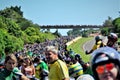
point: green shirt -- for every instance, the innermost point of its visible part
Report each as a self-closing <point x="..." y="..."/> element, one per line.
<point x="41" y="66"/>
<point x="8" y="75"/>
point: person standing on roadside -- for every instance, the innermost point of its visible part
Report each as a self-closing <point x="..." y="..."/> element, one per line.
<point x="58" y="68"/>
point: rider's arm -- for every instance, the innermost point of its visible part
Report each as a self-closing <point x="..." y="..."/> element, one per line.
<point x="93" y="48"/>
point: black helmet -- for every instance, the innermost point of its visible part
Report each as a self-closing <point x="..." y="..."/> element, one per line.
<point x="113" y="37"/>
<point x="104" y="55"/>
<point x="97" y="38"/>
<point x="77" y="55"/>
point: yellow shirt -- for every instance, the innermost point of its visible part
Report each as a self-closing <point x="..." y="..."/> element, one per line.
<point x="58" y="71"/>
<point x="96" y="46"/>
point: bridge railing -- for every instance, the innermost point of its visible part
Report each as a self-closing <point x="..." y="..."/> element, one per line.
<point x="69" y="26"/>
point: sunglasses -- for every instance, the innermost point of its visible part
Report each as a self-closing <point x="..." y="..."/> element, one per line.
<point x="100" y="69"/>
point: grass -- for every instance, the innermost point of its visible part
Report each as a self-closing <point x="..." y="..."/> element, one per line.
<point x="77" y="47"/>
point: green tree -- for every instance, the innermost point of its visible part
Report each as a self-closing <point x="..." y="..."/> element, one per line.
<point x="17" y="9"/>
<point x="105" y="31"/>
<point x="32" y="31"/>
<point x="12" y="43"/>
<point x="10" y="13"/>
<point x="108" y="22"/>
<point x="15" y="31"/>
<point x="9" y="43"/>
<point x="116" y="23"/>
<point x="24" y="23"/>
<point x="2" y="42"/>
<point x="74" y="32"/>
<point x="57" y="33"/>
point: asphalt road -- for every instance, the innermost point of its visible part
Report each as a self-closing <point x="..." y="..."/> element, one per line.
<point x="89" y="44"/>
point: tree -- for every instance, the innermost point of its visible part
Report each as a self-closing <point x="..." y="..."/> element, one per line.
<point x="108" y="26"/>
<point x="15" y="31"/>
<point x="105" y="31"/>
<point x="57" y="33"/>
<point x="108" y="22"/>
<point x="11" y="13"/>
<point x="17" y="9"/>
<point x="9" y="43"/>
<point x="2" y="42"/>
<point x="74" y="32"/>
<point x="116" y="23"/>
<point x="12" y="43"/>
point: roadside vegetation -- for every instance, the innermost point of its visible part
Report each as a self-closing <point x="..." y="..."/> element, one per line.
<point x="77" y="47"/>
<point x="17" y="31"/>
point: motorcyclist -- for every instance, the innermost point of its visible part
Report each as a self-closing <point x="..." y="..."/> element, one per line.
<point x="112" y="40"/>
<point x="105" y="64"/>
<point x="98" y="44"/>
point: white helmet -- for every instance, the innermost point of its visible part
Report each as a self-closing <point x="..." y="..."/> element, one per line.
<point x="85" y="77"/>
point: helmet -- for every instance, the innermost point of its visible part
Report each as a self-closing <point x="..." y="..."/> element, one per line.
<point x="97" y="38"/>
<point x="110" y="55"/>
<point x="104" y="55"/>
<point x="113" y="37"/>
<point x="85" y="77"/>
<point x="77" y="55"/>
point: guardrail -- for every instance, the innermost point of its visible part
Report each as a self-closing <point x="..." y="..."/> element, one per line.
<point x="72" y="41"/>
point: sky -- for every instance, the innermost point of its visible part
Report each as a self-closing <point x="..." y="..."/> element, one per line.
<point x="66" y="12"/>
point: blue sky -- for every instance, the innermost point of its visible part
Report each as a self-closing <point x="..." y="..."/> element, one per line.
<point x="66" y="12"/>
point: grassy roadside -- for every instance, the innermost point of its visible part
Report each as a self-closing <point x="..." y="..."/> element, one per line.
<point x="77" y="47"/>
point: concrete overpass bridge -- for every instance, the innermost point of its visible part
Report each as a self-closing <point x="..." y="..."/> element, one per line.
<point x="69" y="26"/>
